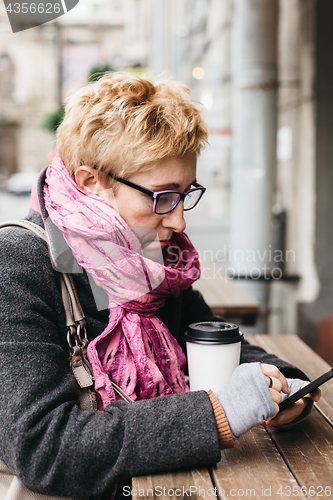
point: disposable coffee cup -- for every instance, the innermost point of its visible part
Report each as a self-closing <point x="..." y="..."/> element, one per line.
<point x="213" y="353"/>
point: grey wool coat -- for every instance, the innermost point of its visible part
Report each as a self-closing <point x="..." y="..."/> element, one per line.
<point x="46" y="440"/>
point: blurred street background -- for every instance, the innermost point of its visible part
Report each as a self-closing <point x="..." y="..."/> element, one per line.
<point x="263" y="70"/>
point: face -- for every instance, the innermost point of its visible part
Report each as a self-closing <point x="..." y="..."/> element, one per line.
<point x="136" y="208"/>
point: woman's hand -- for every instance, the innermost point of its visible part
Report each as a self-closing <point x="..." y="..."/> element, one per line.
<point x="252" y="395"/>
<point x="293" y="412"/>
<point x="246" y="398"/>
<point x="277" y="383"/>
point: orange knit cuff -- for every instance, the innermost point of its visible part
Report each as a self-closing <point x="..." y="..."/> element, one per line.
<point x="223" y="429"/>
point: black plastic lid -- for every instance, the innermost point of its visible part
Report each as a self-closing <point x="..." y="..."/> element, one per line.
<point x="213" y="332"/>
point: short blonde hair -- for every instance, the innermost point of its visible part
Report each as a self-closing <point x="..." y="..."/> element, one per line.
<point x="123" y="123"/>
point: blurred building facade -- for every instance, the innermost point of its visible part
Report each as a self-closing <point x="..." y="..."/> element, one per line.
<point x="41" y="66"/>
<point x="299" y="80"/>
<point x="193" y="45"/>
<point x="28" y="89"/>
<point x="287" y="50"/>
<point x="215" y="47"/>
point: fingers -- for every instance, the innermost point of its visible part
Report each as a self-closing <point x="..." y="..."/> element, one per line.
<point x="279" y="381"/>
<point x="288" y="415"/>
<point x="315" y="394"/>
<point x="276" y="382"/>
<point x="277" y="398"/>
<point x="269" y="380"/>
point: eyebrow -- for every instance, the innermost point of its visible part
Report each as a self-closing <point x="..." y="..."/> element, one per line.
<point x="171" y="185"/>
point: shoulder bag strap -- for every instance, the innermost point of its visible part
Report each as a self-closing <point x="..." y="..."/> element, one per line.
<point x="73" y="309"/>
<point x="76" y="331"/>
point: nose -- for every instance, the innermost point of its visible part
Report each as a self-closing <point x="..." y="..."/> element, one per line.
<point x="175" y="219"/>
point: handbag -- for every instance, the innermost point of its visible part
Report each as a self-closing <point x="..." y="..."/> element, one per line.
<point x="11" y="487"/>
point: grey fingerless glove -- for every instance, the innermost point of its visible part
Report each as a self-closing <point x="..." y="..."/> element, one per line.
<point x="295" y="384"/>
<point x="246" y="398"/>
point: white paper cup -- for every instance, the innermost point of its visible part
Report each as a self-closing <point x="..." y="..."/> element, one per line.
<point x="213" y="353"/>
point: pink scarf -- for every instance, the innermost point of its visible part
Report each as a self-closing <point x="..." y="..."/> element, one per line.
<point x="136" y="349"/>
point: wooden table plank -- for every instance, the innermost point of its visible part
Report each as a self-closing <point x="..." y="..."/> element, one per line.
<point x="294" y="350"/>
<point x="291" y="348"/>
<point x="307" y="449"/>
<point x="192" y="483"/>
<point x="253" y="468"/>
<point x="265" y="463"/>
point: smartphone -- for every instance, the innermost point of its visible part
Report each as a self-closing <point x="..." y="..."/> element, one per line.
<point x="305" y="390"/>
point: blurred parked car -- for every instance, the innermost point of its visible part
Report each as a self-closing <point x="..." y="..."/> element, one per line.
<point x="20" y="183"/>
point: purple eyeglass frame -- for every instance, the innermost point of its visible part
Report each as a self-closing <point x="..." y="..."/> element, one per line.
<point x="156" y="194"/>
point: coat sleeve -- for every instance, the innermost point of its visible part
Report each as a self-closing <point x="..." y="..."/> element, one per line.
<point x="252" y="354"/>
<point x="46" y="440"/>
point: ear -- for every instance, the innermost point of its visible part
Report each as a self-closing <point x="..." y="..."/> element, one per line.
<point x="88" y="179"/>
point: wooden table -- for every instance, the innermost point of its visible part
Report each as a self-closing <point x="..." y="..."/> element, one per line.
<point x="224" y="296"/>
<point x="265" y="463"/>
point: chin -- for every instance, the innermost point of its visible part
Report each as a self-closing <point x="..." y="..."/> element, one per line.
<point x="154" y="254"/>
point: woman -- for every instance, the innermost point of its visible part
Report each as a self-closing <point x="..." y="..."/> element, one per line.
<point x="124" y="141"/>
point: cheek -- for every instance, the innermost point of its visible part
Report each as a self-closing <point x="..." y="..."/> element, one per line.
<point x="137" y="212"/>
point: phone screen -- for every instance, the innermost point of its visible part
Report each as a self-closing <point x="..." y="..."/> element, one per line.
<point x="305" y="390"/>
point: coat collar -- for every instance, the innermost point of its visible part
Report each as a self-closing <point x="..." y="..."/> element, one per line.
<point x="61" y="255"/>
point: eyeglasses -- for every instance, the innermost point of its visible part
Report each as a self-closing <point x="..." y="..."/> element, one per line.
<point x="166" y="201"/>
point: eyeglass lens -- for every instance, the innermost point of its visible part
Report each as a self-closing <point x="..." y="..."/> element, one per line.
<point x="168" y="201"/>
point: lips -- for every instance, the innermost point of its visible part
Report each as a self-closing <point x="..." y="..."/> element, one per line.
<point x="155" y="244"/>
<point x="155" y="241"/>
